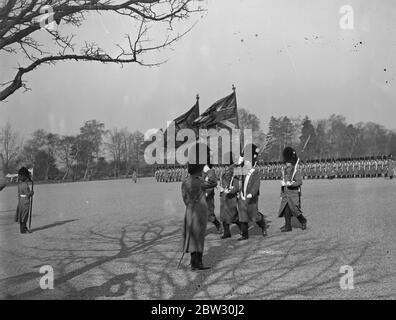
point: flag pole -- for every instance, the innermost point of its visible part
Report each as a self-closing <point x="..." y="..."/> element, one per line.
<point x="237" y="116"/>
<point x="236" y="104"/>
<point x="196" y="130"/>
<point x="31" y="201"/>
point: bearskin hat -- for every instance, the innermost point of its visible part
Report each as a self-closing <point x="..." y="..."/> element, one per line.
<point x="197" y="159"/>
<point x="24" y="172"/>
<point x="289" y="155"/>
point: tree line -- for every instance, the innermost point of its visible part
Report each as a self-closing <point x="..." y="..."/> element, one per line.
<point x="93" y="153"/>
<point x="328" y="138"/>
<point x="98" y="153"/>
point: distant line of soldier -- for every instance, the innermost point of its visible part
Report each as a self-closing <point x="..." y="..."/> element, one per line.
<point x="371" y="167"/>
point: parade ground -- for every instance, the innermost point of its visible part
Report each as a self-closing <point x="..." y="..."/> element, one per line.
<point x="121" y="240"/>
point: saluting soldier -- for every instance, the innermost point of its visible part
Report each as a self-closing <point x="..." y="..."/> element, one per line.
<point x="249" y="191"/>
<point x="196" y="216"/>
<point x="290" y="191"/>
<point x="228" y="197"/>
<point x="24" y="195"/>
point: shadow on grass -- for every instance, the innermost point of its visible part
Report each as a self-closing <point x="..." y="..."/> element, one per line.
<point x="135" y="261"/>
<point x="52" y="225"/>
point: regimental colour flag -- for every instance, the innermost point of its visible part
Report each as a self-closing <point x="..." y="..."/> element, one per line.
<point x="222" y="114"/>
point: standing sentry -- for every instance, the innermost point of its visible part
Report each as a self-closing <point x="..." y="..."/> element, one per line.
<point x="24" y="195"/>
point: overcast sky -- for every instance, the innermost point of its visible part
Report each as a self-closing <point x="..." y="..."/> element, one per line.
<point x="285" y="58"/>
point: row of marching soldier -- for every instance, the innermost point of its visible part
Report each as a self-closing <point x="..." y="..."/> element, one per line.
<point x="239" y="198"/>
<point x="374" y="167"/>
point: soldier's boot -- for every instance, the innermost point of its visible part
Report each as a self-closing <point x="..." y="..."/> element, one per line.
<point x="198" y="262"/>
<point x="226" y="231"/>
<point x="287" y="227"/>
<point x="194" y="261"/>
<point x="22" y="228"/>
<point x="217" y="225"/>
<point x="244" y="231"/>
<point x="263" y="227"/>
<point x="303" y="221"/>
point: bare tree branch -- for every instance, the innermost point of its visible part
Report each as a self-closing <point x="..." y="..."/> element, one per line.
<point x="21" y="19"/>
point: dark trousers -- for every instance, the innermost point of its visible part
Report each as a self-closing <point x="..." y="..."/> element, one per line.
<point x="288" y="215"/>
<point x="244" y="226"/>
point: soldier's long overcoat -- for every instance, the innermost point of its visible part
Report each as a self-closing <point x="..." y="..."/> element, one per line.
<point x="196" y="216"/>
<point x="290" y="196"/>
<point x="22" y="212"/>
<point x="210" y="193"/>
<point x="228" y="200"/>
<point x="248" y="207"/>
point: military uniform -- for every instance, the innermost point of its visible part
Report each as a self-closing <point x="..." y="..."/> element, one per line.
<point x="290" y="191"/>
<point x="248" y="192"/>
<point x="210" y="174"/>
<point x="196" y="216"/>
<point x="228" y="200"/>
<point x="24" y="195"/>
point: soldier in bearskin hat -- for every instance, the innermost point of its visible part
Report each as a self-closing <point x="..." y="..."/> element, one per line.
<point x="24" y="195"/>
<point x="249" y="191"/>
<point x="228" y="196"/>
<point x="290" y="191"/>
<point x="196" y="216"/>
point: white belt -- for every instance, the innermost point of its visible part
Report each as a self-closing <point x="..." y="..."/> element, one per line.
<point x="23" y="195"/>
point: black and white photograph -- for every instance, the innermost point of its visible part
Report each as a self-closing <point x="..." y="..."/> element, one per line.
<point x="216" y="151"/>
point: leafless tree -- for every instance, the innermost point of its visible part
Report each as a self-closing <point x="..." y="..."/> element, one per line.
<point x="9" y="145"/>
<point x="68" y="149"/>
<point x="115" y="146"/>
<point x="22" y="20"/>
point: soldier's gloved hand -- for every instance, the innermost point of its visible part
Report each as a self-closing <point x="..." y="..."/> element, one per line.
<point x="288" y="183"/>
<point x="221" y="189"/>
<point x="249" y="196"/>
<point x="283" y="183"/>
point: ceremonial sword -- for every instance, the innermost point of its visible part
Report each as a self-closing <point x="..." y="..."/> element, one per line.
<point x="298" y="160"/>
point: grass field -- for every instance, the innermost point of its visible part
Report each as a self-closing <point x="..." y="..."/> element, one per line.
<point x="120" y="240"/>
